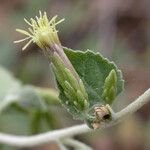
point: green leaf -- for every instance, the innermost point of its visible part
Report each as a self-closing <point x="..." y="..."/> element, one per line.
<point x="24" y="109"/>
<point x="7" y="83"/>
<point x="93" y="69"/>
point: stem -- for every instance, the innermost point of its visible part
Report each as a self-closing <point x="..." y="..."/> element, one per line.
<point x="29" y="141"/>
<point x="76" y="144"/>
<point x="134" y="106"/>
<point x="61" y="145"/>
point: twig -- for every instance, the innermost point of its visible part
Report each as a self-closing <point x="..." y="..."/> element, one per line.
<point x="134" y="106"/>
<point x="76" y="144"/>
<point x="29" y="141"/>
<point x="61" y="145"/>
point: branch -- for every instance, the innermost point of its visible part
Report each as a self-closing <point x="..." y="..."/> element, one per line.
<point x="76" y="144"/>
<point x="134" y="106"/>
<point x="29" y="141"/>
<point x="61" y="145"/>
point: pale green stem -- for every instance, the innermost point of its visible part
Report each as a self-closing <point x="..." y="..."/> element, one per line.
<point x="29" y="141"/>
<point x="76" y="144"/>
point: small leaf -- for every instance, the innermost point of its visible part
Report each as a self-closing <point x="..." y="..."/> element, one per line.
<point x="7" y="83"/>
<point x="18" y="104"/>
<point x="96" y="73"/>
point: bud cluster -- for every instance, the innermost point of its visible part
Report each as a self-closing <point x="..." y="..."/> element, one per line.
<point x="72" y="85"/>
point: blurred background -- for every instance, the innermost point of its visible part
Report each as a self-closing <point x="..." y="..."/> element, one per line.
<point x="118" y="29"/>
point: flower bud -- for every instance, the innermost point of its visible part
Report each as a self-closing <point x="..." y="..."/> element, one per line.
<point x="109" y="89"/>
<point x="43" y="32"/>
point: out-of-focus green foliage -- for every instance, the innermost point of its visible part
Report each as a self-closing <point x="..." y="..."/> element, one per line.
<point x="24" y="109"/>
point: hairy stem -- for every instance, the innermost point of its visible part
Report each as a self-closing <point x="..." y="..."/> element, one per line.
<point x="76" y="144"/>
<point x="134" y="106"/>
<point x="29" y="141"/>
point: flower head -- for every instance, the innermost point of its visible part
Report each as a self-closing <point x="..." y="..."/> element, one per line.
<point x="41" y="31"/>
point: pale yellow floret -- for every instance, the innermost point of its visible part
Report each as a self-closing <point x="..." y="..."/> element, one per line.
<point x="41" y="31"/>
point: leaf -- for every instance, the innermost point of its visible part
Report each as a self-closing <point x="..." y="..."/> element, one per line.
<point x="7" y="83"/>
<point x="93" y="70"/>
<point x="18" y="104"/>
